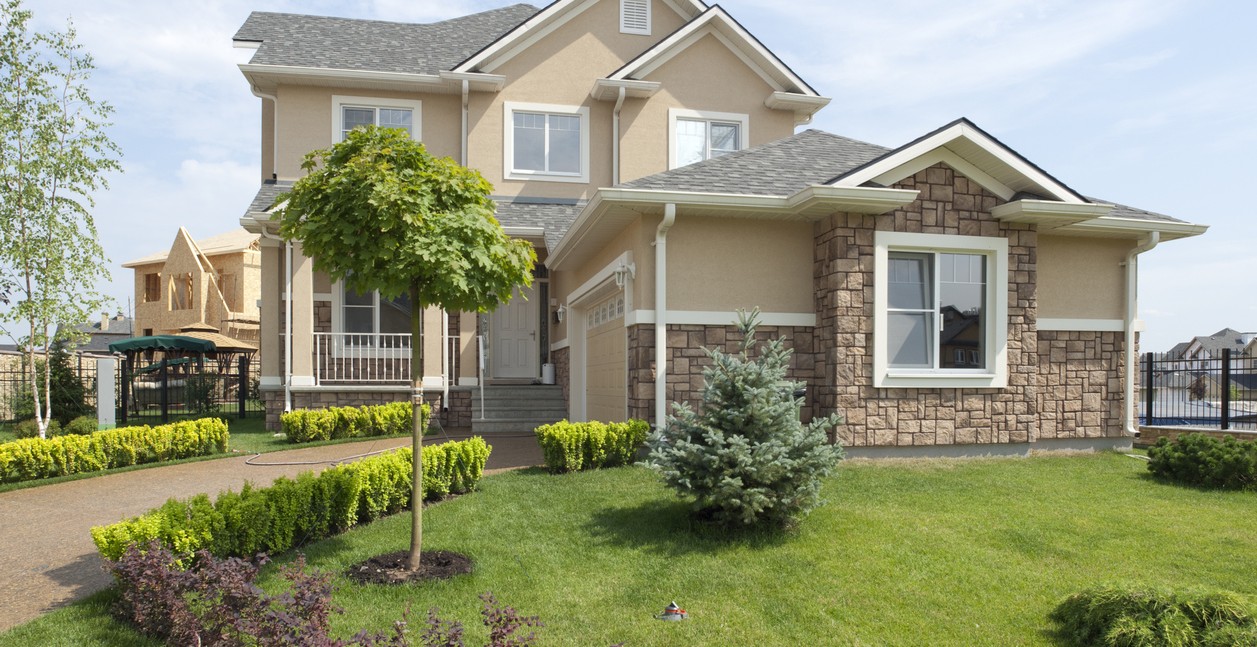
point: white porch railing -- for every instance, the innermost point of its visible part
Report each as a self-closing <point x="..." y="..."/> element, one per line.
<point x="356" y="358"/>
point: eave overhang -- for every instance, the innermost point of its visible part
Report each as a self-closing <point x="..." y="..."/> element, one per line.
<point x="804" y="106"/>
<point x="1132" y="228"/>
<point x="612" y="209"/>
<point x="609" y="89"/>
<point x="269" y="76"/>
<point x="1048" y="214"/>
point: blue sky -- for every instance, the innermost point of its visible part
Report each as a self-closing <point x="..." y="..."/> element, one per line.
<point x="1151" y="103"/>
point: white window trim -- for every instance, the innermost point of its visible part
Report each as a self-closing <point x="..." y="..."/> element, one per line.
<point x="629" y="30"/>
<point x="996" y="250"/>
<point x="339" y="102"/>
<point x="508" y="140"/>
<point x="744" y="122"/>
<point x="338" y="325"/>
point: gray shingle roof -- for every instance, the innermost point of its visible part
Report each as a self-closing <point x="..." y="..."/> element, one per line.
<point x="555" y="218"/>
<point x="786" y="166"/>
<point x="266" y="195"/>
<point x="779" y="168"/>
<point x="376" y="45"/>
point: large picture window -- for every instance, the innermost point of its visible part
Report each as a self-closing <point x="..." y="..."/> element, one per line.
<point x="548" y="143"/>
<point x="364" y="317"/>
<point x="940" y="310"/>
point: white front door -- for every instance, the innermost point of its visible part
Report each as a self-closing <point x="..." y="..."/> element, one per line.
<point x="514" y="325"/>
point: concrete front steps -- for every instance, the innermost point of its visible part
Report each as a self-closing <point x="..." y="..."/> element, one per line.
<point x="516" y="408"/>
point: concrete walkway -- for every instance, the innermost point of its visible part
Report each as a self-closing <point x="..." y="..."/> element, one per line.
<point x="47" y="557"/>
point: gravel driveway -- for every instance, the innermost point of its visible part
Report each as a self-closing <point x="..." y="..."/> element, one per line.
<point x="47" y="557"/>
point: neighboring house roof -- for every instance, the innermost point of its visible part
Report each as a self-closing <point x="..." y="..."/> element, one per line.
<point x="1223" y="339"/>
<point x="236" y="240"/>
<point x="349" y="44"/>
<point x="780" y="168"/>
<point x="117" y="327"/>
<point x="1178" y="350"/>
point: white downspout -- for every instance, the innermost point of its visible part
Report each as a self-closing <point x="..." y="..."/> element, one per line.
<point x="287" y="326"/>
<point x="615" y="138"/>
<point x="661" y="312"/>
<point x="466" y="95"/>
<point x="1132" y="310"/>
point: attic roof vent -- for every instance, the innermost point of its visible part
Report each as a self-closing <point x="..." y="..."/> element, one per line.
<point x="635" y="17"/>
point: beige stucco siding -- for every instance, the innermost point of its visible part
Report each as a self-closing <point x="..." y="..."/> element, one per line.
<point x="305" y="122"/>
<point x="1081" y="278"/>
<point x="707" y="76"/>
<point x="722" y="264"/>
<point x="268" y="138"/>
<point x="634" y="238"/>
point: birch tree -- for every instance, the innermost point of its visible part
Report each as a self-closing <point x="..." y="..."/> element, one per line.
<point x="379" y="212"/>
<point x="54" y="154"/>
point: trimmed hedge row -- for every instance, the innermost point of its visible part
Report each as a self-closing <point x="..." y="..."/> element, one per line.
<point x="1129" y="616"/>
<point x="35" y="458"/>
<point x="292" y="512"/>
<point x="574" y="446"/>
<point x="1197" y="459"/>
<point x="308" y="425"/>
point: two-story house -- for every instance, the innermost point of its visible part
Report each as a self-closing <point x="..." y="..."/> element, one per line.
<point x="211" y="282"/>
<point x="944" y="292"/>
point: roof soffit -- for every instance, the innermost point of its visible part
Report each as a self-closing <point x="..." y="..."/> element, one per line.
<point x="544" y="23"/>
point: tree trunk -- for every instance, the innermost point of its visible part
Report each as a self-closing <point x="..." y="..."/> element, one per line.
<point x="416" y="399"/>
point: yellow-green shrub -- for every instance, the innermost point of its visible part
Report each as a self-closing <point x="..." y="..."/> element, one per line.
<point x="34" y="458"/>
<point x="574" y="446"/>
<point x="308" y="425"/>
<point x="292" y="512"/>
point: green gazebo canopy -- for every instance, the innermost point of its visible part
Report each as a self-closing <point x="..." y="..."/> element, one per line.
<point x="163" y="342"/>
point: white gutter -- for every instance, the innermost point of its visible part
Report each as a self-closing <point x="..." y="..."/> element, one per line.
<point x="661" y="312"/>
<point x="615" y="137"/>
<point x="1132" y="307"/>
<point x="274" y="126"/>
<point x="466" y="92"/>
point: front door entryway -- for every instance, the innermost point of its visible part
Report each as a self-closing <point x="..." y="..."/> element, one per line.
<point x="514" y="352"/>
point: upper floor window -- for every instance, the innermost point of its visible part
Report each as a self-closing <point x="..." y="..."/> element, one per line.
<point x="695" y="136"/>
<point x="635" y="17"/>
<point x="940" y="310"/>
<point x="352" y="112"/>
<point x="546" y="142"/>
<point x="152" y="287"/>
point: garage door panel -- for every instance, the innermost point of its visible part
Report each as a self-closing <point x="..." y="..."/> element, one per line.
<point x="606" y="390"/>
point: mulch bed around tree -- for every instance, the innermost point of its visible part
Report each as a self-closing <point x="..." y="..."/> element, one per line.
<point x="391" y="568"/>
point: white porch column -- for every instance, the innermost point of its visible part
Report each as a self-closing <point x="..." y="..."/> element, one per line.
<point x="302" y="318"/>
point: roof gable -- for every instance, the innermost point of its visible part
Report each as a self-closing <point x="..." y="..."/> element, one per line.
<point x="234" y="241"/>
<point x="971" y="151"/>
<point x="718" y="23"/>
<point x="553" y="16"/>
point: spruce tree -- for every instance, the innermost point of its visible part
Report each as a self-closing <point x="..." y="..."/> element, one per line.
<point x="746" y="458"/>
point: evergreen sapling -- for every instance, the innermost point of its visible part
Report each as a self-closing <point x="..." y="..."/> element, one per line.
<point x="746" y="457"/>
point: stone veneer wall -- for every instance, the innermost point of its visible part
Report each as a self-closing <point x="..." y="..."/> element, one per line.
<point x="1080" y="384"/>
<point x="948" y="203"/>
<point x="687" y="361"/>
<point x="562" y="359"/>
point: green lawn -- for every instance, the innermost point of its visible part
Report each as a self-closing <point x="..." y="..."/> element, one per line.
<point x="945" y="552"/>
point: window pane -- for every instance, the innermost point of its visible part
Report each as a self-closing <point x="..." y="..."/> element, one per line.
<point x="564" y="144"/>
<point x="910" y="283"/>
<point x="909" y="341"/>
<point x="963" y="306"/>
<point x="354" y="299"/>
<point x="354" y="117"/>
<point x="397" y="118"/>
<point x="359" y="319"/>
<point x="530" y="142"/>
<point x="691" y="141"/>
<point x="395" y="315"/>
<point x="724" y="138"/>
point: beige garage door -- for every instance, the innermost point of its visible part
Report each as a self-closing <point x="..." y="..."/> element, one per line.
<point x="606" y="366"/>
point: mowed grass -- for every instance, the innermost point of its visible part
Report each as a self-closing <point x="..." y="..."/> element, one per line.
<point x="937" y="552"/>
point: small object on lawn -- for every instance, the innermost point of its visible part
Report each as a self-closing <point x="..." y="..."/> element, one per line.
<point x="673" y="613"/>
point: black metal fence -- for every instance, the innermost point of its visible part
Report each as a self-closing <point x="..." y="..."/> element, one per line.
<point x="1219" y="393"/>
<point x="185" y="388"/>
<point x="149" y="394"/>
